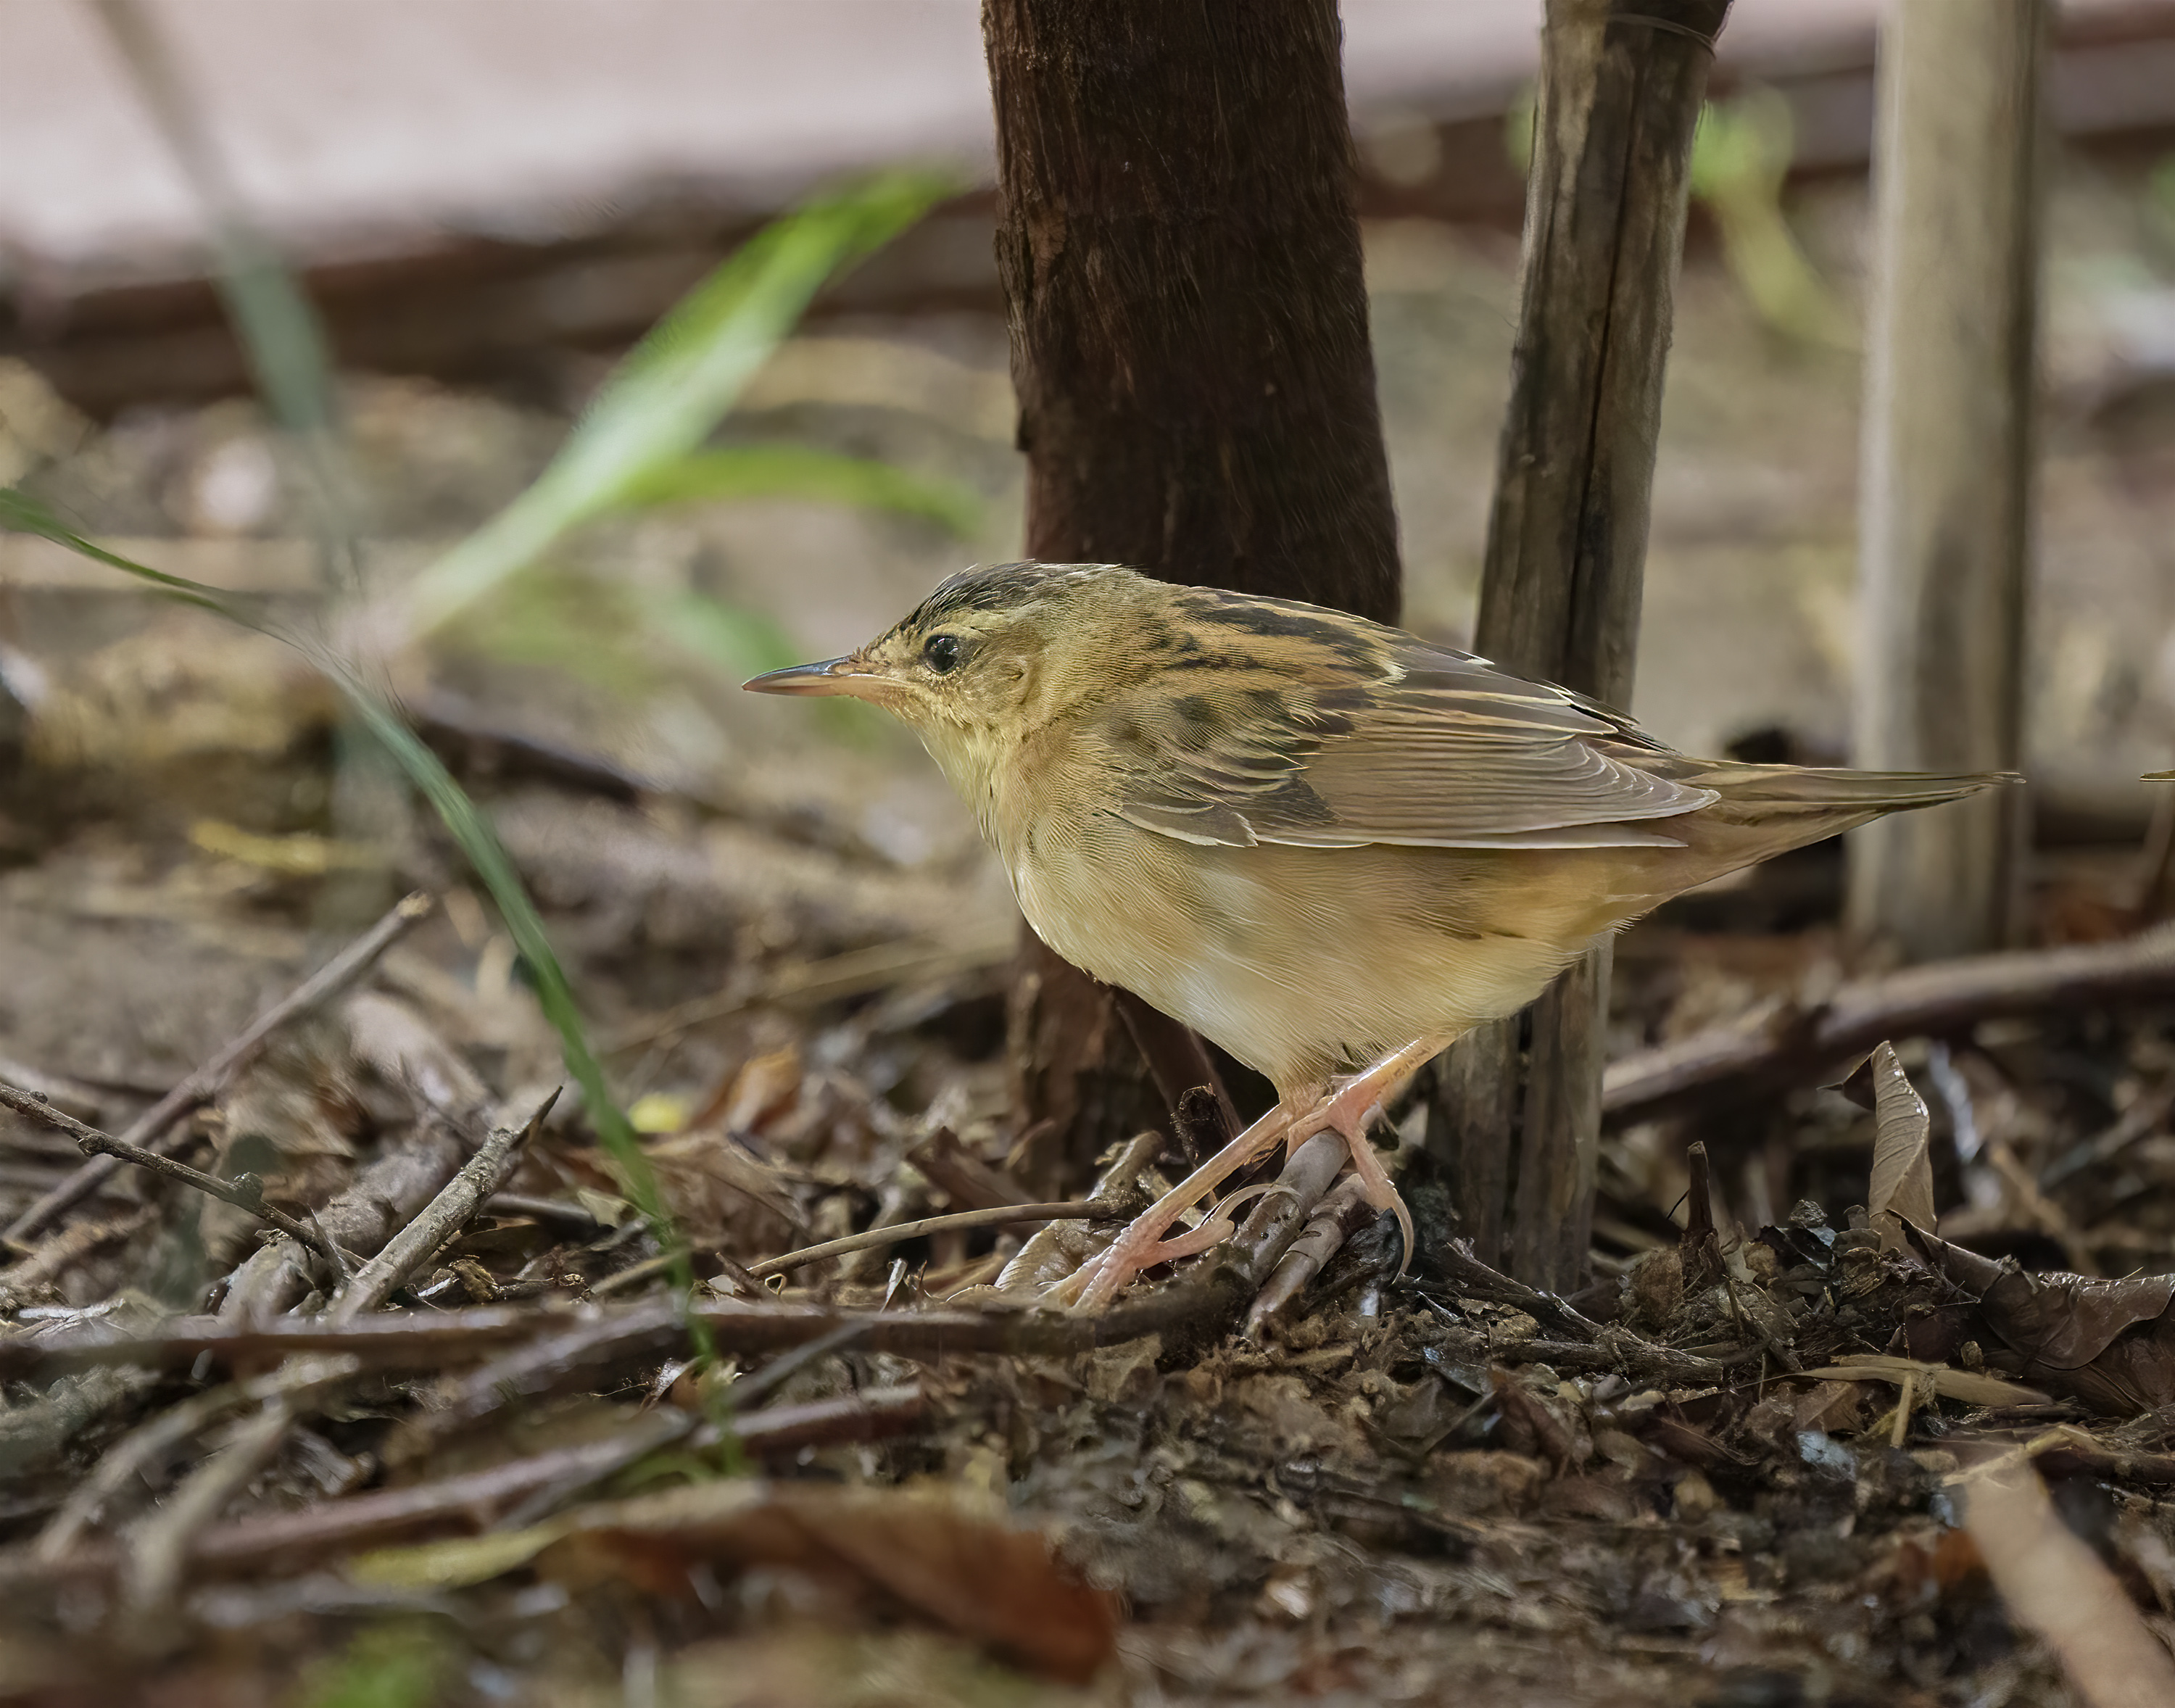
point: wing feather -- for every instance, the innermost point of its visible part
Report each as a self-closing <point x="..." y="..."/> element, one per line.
<point x="1410" y="744"/>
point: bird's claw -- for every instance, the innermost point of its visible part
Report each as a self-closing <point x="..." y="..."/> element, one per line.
<point x="1105" y="1274"/>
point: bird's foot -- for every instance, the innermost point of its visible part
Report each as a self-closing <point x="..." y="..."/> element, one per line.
<point x="1142" y="1245"/>
<point x="1354" y="1101"/>
<point x="1221" y="1222"/>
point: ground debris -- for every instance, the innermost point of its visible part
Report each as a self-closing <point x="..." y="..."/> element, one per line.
<point x="487" y="1431"/>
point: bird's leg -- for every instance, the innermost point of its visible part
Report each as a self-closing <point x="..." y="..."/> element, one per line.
<point x="1354" y="1100"/>
<point x="1142" y="1246"/>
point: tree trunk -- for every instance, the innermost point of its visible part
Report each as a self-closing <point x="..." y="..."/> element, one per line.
<point x="1621" y="88"/>
<point x="1944" y="534"/>
<point x="1181" y="265"/>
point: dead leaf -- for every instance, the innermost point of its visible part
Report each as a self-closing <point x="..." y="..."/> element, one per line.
<point x="2108" y="1343"/>
<point x="763" y="1090"/>
<point x="1832" y="1407"/>
<point x="721" y="1193"/>
<point x="996" y="1585"/>
<point x="1902" y="1189"/>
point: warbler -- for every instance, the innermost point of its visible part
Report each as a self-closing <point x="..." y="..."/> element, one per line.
<point x="1330" y="846"/>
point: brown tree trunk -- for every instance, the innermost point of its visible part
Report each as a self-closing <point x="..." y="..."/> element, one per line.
<point x="1622" y="82"/>
<point x="1180" y="260"/>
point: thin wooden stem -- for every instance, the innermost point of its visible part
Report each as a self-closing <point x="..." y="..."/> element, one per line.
<point x="245" y="1193"/>
<point x="1621" y="92"/>
<point x="1002" y="1215"/>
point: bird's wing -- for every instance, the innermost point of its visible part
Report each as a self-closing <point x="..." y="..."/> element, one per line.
<point x="1401" y="743"/>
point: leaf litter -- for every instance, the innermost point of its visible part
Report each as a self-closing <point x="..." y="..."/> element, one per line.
<point x="1791" y="1446"/>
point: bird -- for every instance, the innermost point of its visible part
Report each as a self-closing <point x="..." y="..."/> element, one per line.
<point x="1329" y="846"/>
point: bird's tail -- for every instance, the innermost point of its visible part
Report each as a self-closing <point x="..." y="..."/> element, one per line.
<point x="1766" y="810"/>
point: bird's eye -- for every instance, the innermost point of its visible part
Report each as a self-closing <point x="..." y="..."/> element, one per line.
<point x="941" y="652"/>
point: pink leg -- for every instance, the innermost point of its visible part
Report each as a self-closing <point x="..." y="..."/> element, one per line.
<point x="1141" y="1246"/>
<point x="1354" y="1101"/>
<point x="1351" y="1103"/>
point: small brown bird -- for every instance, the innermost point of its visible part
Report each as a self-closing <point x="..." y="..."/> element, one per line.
<point x="1329" y="846"/>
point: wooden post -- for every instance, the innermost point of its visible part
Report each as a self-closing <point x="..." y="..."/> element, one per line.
<point x="1181" y="267"/>
<point x="1622" y="82"/>
<point x="1945" y="495"/>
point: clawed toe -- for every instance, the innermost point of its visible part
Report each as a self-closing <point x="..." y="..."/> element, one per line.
<point x="1104" y="1276"/>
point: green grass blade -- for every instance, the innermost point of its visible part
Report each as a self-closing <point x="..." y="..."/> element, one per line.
<point x="465" y="822"/>
<point x="804" y="471"/>
<point x="675" y="386"/>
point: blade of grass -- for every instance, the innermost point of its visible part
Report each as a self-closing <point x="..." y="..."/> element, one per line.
<point x="673" y="387"/>
<point x="804" y="471"/>
<point x="465" y="822"/>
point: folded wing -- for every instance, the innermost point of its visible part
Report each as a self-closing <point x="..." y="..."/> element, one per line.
<point x="1409" y="744"/>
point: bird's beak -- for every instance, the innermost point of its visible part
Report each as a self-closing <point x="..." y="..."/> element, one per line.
<point x="828" y="676"/>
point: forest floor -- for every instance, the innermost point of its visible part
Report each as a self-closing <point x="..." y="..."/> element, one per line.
<point x="1740" y="1469"/>
<point x="1845" y="1375"/>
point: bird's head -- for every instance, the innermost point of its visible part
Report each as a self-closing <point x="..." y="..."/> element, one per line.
<point x="994" y="652"/>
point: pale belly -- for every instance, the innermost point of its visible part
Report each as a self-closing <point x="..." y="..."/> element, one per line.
<point x="1302" y="962"/>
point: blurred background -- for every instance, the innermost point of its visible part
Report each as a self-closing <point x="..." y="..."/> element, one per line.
<point x="487" y="202"/>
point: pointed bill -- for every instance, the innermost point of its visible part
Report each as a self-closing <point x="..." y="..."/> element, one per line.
<point x="826" y="676"/>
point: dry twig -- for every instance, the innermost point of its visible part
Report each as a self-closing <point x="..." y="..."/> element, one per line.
<point x="468" y="1502"/>
<point x="442" y="1217"/>
<point x="154" y="1128"/>
<point x="297" y="1383"/>
<point x="1070" y="1209"/>
<point x="161" y="1544"/>
<point x="245" y="1191"/>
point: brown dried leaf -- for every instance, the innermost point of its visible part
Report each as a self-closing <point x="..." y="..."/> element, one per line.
<point x="721" y="1195"/>
<point x="2108" y="1343"/>
<point x="761" y="1091"/>
<point x="1902" y="1189"/>
<point x="988" y="1582"/>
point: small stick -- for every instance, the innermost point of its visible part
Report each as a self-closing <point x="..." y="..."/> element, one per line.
<point x="464" y="1502"/>
<point x="54" y="1257"/>
<point x="621" y="1280"/>
<point x="658" y="1327"/>
<point x="1070" y="1210"/>
<point x="1700" y="1246"/>
<point x="245" y="1192"/>
<point x="298" y="1383"/>
<point x="151" y="1129"/>
<point x="1336" y="1219"/>
<point x="439" y="1221"/>
<point x="1177" y="1060"/>
<point x="1456" y="1258"/>
<point x="161" y="1541"/>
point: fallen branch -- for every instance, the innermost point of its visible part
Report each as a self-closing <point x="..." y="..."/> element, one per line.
<point x="154" y="1129"/>
<point x="1934" y="1000"/>
<point x="654" y="1326"/>
<point x="470" y="1502"/>
<point x="1334" y="1220"/>
<point x="245" y="1191"/>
